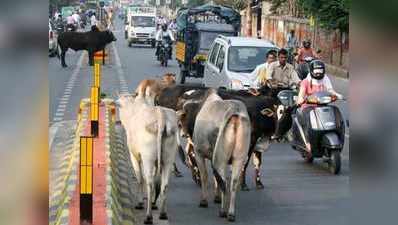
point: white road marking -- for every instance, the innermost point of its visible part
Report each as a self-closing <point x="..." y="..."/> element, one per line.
<point x="59" y="115"/>
<point x="120" y="72"/>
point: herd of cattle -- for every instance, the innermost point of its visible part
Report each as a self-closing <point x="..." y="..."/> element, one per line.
<point x="223" y="126"/>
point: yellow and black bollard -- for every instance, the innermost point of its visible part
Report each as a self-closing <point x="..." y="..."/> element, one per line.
<point x="86" y="179"/>
<point x="94" y="110"/>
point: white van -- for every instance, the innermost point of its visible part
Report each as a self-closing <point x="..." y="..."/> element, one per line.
<point x="231" y="60"/>
<point x="141" y="25"/>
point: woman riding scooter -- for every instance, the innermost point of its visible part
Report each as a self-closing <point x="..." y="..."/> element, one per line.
<point x="316" y="81"/>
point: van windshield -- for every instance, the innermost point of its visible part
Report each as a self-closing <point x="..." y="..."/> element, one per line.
<point x="143" y="21"/>
<point x="246" y="59"/>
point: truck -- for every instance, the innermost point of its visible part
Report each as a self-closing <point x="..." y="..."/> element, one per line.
<point x="140" y="25"/>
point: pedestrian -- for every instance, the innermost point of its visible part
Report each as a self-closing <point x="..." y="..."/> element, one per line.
<point x="259" y="75"/>
<point x="281" y="71"/>
<point x="292" y="42"/>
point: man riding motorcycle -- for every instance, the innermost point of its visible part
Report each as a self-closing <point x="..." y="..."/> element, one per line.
<point x="306" y="51"/>
<point x="162" y="34"/>
<point x="316" y="81"/>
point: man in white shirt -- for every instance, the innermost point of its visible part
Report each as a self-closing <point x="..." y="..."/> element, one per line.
<point x="259" y="75"/>
<point x="76" y="17"/>
<point x="93" y="20"/>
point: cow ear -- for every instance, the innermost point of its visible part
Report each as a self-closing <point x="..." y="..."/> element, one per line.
<point x="267" y="112"/>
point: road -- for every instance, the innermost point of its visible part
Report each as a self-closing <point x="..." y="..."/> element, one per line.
<point x="295" y="192"/>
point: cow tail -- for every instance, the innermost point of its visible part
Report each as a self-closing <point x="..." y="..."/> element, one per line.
<point x="218" y="148"/>
<point x="161" y="127"/>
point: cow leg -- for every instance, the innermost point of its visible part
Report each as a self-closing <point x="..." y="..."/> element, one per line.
<point x="177" y="173"/>
<point x="91" y="58"/>
<point x="203" y="179"/>
<point x="243" y="184"/>
<point x="192" y="163"/>
<point x="236" y="168"/>
<point x="257" y="167"/>
<point x="223" y="209"/>
<point x="163" y="191"/>
<point x="148" y="171"/>
<point x="63" y="52"/>
<point x="217" y="192"/>
<point x="138" y="172"/>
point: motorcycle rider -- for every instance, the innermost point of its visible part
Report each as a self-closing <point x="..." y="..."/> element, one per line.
<point x="77" y="18"/>
<point x="282" y="72"/>
<point x="306" y="51"/>
<point x="160" y="35"/>
<point x="259" y="75"/>
<point x="316" y="81"/>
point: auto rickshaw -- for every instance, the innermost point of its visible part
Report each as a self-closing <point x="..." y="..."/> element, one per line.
<point x="196" y="30"/>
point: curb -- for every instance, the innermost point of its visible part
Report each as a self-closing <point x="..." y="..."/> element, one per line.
<point x="337" y="71"/>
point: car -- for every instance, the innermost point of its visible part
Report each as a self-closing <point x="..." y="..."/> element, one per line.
<point x="231" y="60"/>
<point x="52" y="40"/>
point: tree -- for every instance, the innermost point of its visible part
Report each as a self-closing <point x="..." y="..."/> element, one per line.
<point x="330" y="14"/>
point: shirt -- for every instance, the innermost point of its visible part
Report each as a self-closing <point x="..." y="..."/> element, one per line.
<point x="291" y="41"/>
<point x="310" y="86"/>
<point x="93" y="20"/>
<point x="160" y="34"/>
<point x="70" y="20"/>
<point x="259" y="75"/>
<point x="286" y="74"/>
<point x="76" y="17"/>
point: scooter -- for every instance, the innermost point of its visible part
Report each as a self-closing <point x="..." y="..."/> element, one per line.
<point x="322" y="127"/>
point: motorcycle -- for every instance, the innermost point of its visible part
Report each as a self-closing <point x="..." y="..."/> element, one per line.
<point x="60" y="27"/>
<point x="322" y="127"/>
<point x="70" y="27"/>
<point x="164" y="53"/>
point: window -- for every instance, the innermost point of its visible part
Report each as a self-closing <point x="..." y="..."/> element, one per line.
<point x="143" y="21"/>
<point x="245" y="59"/>
<point x="220" y="59"/>
<point x="213" y="55"/>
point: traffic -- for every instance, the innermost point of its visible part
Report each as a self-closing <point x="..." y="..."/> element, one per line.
<point x="220" y="101"/>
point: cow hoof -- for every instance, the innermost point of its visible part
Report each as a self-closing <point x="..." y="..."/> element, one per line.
<point x="222" y="214"/>
<point x="231" y="218"/>
<point x="244" y="187"/>
<point x="148" y="220"/>
<point x="163" y="216"/>
<point x="154" y="207"/>
<point x="203" y="204"/>
<point x="177" y="173"/>
<point x="64" y="66"/>
<point x="139" y="206"/>
<point x="217" y="199"/>
<point x="259" y="185"/>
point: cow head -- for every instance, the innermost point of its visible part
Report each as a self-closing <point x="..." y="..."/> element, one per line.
<point x="168" y="79"/>
<point x="186" y="117"/>
<point x="110" y="36"/>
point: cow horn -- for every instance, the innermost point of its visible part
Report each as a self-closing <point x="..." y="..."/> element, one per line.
<point x="267" y="112"/>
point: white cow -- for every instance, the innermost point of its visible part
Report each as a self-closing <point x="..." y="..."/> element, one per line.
<point x="152" y="141"/>
<point x="222" y="135"/>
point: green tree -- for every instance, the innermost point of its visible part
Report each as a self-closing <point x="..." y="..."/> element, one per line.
<point x="330" y="14"/>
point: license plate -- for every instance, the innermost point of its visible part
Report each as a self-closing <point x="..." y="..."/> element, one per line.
<point x="142" y="39"/>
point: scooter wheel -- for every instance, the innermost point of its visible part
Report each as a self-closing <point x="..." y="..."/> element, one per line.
<point x="335" y="162"/>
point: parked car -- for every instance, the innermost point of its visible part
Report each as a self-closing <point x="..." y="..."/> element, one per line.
<point x="231" y="60"/>
<point x="52" y="40"/>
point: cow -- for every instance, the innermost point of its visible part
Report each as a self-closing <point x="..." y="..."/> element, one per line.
<point x="222" y="135"/>
<point x="92" y="41"/>
<point x="263" y="114"/>
<point x="151" y="133"/>
<point x="156" y="85"/>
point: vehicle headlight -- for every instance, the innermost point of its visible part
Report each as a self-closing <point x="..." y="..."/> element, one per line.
<point x="325" y="100"/>
<point x="236" y="84"/>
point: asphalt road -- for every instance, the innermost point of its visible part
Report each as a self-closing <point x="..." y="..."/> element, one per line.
<point x="295" y="192"/>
